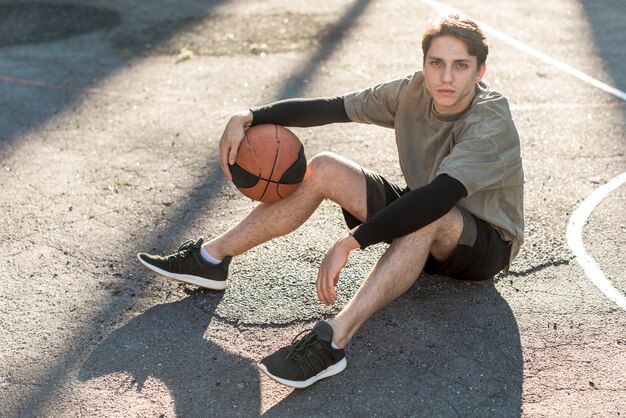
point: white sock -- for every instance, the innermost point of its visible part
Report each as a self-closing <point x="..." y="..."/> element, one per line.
<point x="208" y="257"/>
<point x="333" y="345"/>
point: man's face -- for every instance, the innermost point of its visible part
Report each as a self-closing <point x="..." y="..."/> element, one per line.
<point x="451" y="74"/>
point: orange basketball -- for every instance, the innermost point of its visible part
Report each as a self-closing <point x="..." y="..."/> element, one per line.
<point x="270" y="163"/>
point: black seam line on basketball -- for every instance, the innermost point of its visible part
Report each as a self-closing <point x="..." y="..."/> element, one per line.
<point x="255" y="153"/>
<point x="299" y="160"/>
<point x="271" y="181"/>
<point x="245" y="136"/>
<point x="300" y="153"/>
<point x="274" y="164"/>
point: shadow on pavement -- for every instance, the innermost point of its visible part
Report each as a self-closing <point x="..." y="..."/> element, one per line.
<point x="167" y="343"/>
<point x="445" y="348"/>
<point x="606" y="20"/>
<point x="67" y="66"/>
<point x="52" y="98"/>
<point x="295" y="84"/>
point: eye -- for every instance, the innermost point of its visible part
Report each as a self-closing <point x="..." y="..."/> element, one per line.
<point x="461" y="65"/>
<point x="435" y="63"/>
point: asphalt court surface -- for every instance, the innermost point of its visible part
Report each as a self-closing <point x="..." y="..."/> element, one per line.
<point x="111" y="116"/>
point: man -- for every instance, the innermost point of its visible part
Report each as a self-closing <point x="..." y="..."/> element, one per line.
<point x="461" y="214"/>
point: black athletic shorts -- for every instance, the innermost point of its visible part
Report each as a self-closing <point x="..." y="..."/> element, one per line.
<point x="481" y="253"/>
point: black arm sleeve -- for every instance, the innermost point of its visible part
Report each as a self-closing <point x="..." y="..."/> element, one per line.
<point x="301" y="112"/>
<point x="412" y="211"/>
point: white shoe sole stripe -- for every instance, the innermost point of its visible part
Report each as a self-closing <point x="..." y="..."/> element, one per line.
<point x="198" y="281"/>
<point x="327" y="372"/>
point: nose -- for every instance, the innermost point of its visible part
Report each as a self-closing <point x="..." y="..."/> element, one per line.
<point x="447" y="77"/>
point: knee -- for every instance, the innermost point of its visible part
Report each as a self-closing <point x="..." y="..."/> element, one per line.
<point x="323" y="161"/>
<point x="321" y="169"/>
<point x="447" y="232"/>
<point x="321" y="166"/>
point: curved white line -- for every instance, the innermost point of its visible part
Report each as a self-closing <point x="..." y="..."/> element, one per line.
<point x="534" y="52"/>
<point x="575" y="242"/>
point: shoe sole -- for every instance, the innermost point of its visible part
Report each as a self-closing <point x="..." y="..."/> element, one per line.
<point x="327" y="372"/>
<point x="187" y="278"/>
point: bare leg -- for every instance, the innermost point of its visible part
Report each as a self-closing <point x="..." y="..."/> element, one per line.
<point x="328" y="176"/>
<point x="396" y="271"/>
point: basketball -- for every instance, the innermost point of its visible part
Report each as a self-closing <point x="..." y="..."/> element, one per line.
<point x="270" y="163"/>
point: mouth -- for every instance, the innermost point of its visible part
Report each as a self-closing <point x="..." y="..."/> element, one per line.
<point x="446" y="92"/>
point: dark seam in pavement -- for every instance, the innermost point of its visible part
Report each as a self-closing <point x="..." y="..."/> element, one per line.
<point x="540" y="267"/>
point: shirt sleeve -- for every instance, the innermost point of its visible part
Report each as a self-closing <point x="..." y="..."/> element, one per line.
<point x="301" y="112"/>
<point x="411" y="212"/>
<point x="376" y="105"/>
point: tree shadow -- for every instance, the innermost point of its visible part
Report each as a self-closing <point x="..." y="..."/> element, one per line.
<point x="295" y="84"/>
<point x="34" y="94"/>
<point x="167" y="342"/>
<point x="445" y="348"/>
<point x="19" y="93"/>
<point x="606" y="19"/>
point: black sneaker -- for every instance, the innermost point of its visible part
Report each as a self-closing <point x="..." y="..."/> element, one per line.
<point x="187" y="265"/>
<point x="307" y="360"/>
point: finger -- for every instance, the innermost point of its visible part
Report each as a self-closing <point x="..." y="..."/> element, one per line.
<point x="224" y="163"/>
<point x="232" y="155"/>
<point x="332" y="294"/>
<point x="318" y="286"/>
<point x="328" y="288"/>
<point x="331" y="285"/>
<point x="327" y="279"/>
<point x="226" y="171"/>
<point x="323" y="285"/>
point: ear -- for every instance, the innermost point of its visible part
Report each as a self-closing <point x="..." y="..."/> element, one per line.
<point x="481" y="72"/>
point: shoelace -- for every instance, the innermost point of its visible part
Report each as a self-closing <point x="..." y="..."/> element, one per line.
<point x="182" y="252"/>
<point x="299" y="349"/>
<point x="185" y="248"/>
<point x="310" y="365"/>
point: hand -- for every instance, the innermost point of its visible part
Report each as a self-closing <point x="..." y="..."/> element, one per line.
<point x="231" y="138"/>
<point x="335" y="260"/>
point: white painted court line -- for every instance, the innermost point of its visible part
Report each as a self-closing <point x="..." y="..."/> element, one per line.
<point x="575" y="241"/>
<point x="534" y="52"/>
<point x="582" y="213"/>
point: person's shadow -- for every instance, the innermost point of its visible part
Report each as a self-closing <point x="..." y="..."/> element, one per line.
<point x="167" y="342"/>
<point x="445" y="348"/>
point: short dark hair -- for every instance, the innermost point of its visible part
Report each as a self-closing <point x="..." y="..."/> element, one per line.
<point x="462" y="28"/>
